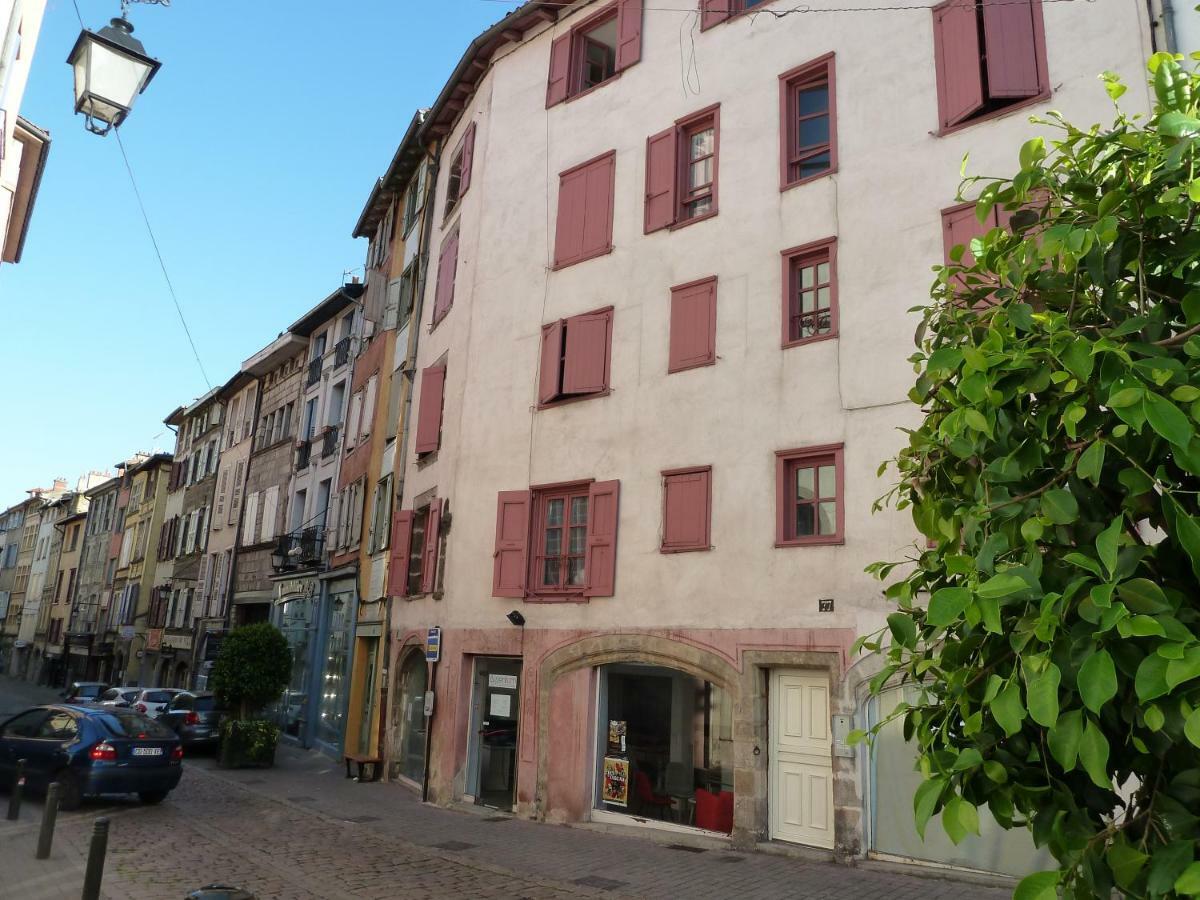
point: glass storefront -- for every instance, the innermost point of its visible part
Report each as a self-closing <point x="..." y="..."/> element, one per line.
<point x="331" y="715"/>
<point x="665" y="747"/>
<point x="296" y="621"/>
<point x="414" y="682"/>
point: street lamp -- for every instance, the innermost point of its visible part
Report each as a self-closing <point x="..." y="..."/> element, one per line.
<point x="111" y="69"/>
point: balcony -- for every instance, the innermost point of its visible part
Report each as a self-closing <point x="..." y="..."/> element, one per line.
<point x="329" y="442"/>
<point x="303" y="454"/>
<point x="341" y="352"/>
<point x="302" y="549"/>
<point x="314" y="372"/>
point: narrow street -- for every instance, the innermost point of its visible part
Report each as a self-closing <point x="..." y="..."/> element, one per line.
<point x="302" y="831"/>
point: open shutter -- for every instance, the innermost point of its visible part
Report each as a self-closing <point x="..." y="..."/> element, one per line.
<point x="601" y="560"/>
<point x="429" y="416"/>
<point x="548" y="373"/>
<point x="430" y="553"/>
<point x="958" y="61"/>
<point x="443" y="297"/>
<point x="402" y="525"/>
<point x="959" y="226"/>
<point x="660" y="180"/>
<point x="629" y="33"/>
<point x="512" y="544"/>
<point x="560" y="70"/>
<point x="468" y="156"/>
<point x="368" y="410"/>
<point x="1010" y="42"/>
<point x="693" y="325"/>
<point x="585" y="370"/>
<point x="713" y="12"/>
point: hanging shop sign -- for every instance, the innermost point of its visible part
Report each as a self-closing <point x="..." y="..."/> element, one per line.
<point x="177" y="641"/>
<point x="616" y="781"/>
<point x="154" y="638"/>
<point x="433" y="645"/>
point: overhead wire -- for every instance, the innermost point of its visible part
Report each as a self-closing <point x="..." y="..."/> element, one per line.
<point x="807" y="9"/>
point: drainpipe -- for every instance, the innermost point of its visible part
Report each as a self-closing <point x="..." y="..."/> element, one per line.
<point x="1168" y="17"/>
<point x="237" y="541"/>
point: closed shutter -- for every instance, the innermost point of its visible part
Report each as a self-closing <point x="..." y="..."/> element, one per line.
<point x="353" y="418"/>
<point x="585" y="206"/>
<point x="660" y="180"/>
<point x="629" y="33"/>
<point x="568" y="228"/>
<point x="443" y="297"/>
<point x="713" y="12"/>
<point x="598" y="206"/>
<point x="368" y="410"/>
<point x="958" y="61"/>
<point x="429" y="415"/>
<point x="202" y="581"/>
<point x="468" y="156"/>
<point x="270" y="504"/>
<point x="693" y="325"/>
<point x="959" y="226"/>
<point x="1011" y="57"/>
<point x="560" y="71"/>
<point x="585" y="370"/>
<point x="601" y="559"/>
<point x="402" y="526"/>
<point x="686" y="510"/>
<point x="250" y="526"/>
<point x="510" y="560"/>
<point x="430" y="551"/>
<point x="235" y="500"/>
<point x="549" y="374"/>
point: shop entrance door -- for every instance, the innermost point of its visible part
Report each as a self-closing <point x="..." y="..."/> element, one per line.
<point x="495" y="707"/>
<point x="801" y="761"/>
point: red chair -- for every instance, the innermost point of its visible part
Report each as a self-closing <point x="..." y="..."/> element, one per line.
<point x="647" y="799"/>
<point x="714" y="812"/>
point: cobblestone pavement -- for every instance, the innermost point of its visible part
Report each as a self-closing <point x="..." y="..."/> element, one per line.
<point x="302" y="831"/>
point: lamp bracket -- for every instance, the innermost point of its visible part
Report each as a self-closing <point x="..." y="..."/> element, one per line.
<point x="125" y="4"/>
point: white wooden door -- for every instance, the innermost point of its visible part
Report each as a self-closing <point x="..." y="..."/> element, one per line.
<point x="801" y="761"/>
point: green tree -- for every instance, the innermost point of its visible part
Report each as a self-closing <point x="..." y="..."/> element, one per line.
<point x="1051" y="632"/>
<point x="252" y="668"/>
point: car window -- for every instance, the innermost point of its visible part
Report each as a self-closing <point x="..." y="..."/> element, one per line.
<point x="111" y="694"/>
<point x="181" y="701"/>
<point x="26" y="724"/>
<point x="129" y="696"/>
<point x="132" y="725"/>
<point x="206" y="704"/>
<point x="59" y="726"/>
<point x="89" y="690"/>
<point x="156" y="697"/>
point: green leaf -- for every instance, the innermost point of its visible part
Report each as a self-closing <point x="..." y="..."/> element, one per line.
<point x="1032" y="530"/>
<point x="1038" y="886"/>
<point x="1042" y="695"/>
<point x="968" y="758"/>
<point x="1124" y="397"/>
<point x="1151" y="678"/>
<point x="1032" y="150"/>
<point x="1107" y="542"/>
<point x="1059" y="506"/>
<point x="960" y="818"/>
<point x="947" y="604"/>
<point x="1168" y="420"/>
<point x="1189" y="882"/>
<point x="1002" y="585"/>
<point x="1143" y="596"/>
<point x="989" y="610"/>
<point x="1143" y="626"/>
<point x="1084" y="562"/>
<point x="925" y="802"/>
<point x="1126" y="863"/>
<point x="1194" y="191"/>
<point x="1184" y="668"/>
<point x="1093" y="754"/>
<point x="1008" y="710"/>
<point x="857" y="736"/>
<point x="995" y="771"/>
<point x="1188" y="532"/>
<point x="1191" y="727"/>
<point x="1097" y="680"/>
<point x="1064" y="737"/>
<point x="903" y="628"/>
<point x="975" y="420"/>
<point x="1177" y="124"/>
<point x="1078" y="358"/>
<point x="1168" y="864"/>
<point x="1154" y="718"/>
<point x="1091" y="462"/>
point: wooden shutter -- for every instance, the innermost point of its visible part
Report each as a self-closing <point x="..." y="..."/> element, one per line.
<point x="585" y="210"/>
<point x="660" y="180"/>
<point x="443" y="296"/>
<point x="560" y="70"/>
<point x="601" y="559"/>
<point x="368" y="410"/>
<point x="429" y="416"/>
<point x="686" y="510"/>
<point x="958" y="61"/>
<point x="1010" y="42"/>
<point x="629" y="33"/>
<point x="551" y="362"/>
<point x="248" y="528"/>
<point x="468" y="156"/>
<point x="568" y="228"/>
<point x="585" y="368"/>
<point x="693" y="325"/>
<point x="270" y="504"/>
<point x="598" y="205"/>
<point x="402" y="526"/>
<point x="430" y="551"/>
<point x="510" y="560"/>
<point x="713" y="12"/>
<point x="959" y="226"/>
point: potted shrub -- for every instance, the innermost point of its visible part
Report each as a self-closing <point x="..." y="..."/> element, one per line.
<point x="252" y="668"/>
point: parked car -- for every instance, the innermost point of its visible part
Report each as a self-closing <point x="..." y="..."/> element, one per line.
<point x="84" y="691"/>
<point x="119" y="696"/>
<point x="153" y="702"/>
<point x="91" y="750"/>
<point x="194" y="716"/>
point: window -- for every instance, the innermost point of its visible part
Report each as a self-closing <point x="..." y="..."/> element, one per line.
<point x="443" y="297"/>
<point x="408" y="289"/>
<point x="459" y="179"/>
<point x="960" y="226"/>
<point x="412" y="568"/>
<point x="809" y="122"/>
<point x="429" y="411"/>
<point x="682" y="171"/>
<point x="809" y="496"/>
<point x="381" y="514"/>
<point x="595" y="51"/>
<point x="575" y="357"/>
<point x="713" y="12"/>
<point x="810" y="293"/>
<point x="693" y="339"/>
<point x="415" y="200"/>
<point x="583" y="229"/>
<point x="989" y="56"/>
<point x="687" y="509"/>
<point x="572" y="530"/>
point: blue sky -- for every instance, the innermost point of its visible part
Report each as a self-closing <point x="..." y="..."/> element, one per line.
<point x="255" y="148"/>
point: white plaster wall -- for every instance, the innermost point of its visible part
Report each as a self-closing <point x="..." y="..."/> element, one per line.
<point x="29" y="18"/>
<point x="883" y="204"/>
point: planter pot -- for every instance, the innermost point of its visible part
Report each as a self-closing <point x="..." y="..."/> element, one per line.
<point x="247" y="743"/>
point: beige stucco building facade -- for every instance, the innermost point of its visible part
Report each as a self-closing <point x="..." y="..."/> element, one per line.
<point x="23" y="146"/>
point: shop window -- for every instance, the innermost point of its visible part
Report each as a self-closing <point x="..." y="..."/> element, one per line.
<point x="810" y="293"/>
<point x="809" y="122"/>
<point x="809" y="496"/>
<point x="665" y="748"/>
<point x="595" y="51"/>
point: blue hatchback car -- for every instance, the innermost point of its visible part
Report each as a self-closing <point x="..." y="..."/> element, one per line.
<point x="91" y="750"/>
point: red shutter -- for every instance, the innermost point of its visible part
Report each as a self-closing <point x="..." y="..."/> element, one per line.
<point x="551" y="363"/>
<point x="598" y="205"/>
<point x="430" y="552"/>
<point x="585" y="368"/>
<point x="629" y="33"/>
<point x="443" y="297"/>
<point x="601" y="560"/>
<point x="686" y="512"/>
<point x="958" y="61"/>
<point x="429" y="416"/>
<point x="402" y="525"/>
<point x="693" y="325"/>
<point x="468" y="155"/>
<point x="568" y="229"/>
<point x="959" y="226"/>
<point x="660" y="180"/>
<point x="1011" y="48"/>
<point x="560" y="70"/>
<point x="713" y="12"/>
<point x="585" y="210"/>
<point x="512" y="544"/>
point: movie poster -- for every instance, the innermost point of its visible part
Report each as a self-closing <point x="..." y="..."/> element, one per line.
<point x="616" y="781"/>
<point x="616" y="737"/>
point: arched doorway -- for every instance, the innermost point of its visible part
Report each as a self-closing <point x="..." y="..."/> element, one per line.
<point x="181" y="676"/>
<point x="411" y="684"/>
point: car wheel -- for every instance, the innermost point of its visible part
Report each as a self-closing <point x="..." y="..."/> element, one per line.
<point x="70" y="796"/>
<point x="152" y="797"/>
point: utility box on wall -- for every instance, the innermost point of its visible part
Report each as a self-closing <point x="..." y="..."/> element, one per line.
<point x="841" y="731"/>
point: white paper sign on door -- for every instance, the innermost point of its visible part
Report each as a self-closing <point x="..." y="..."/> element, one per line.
<point x="500" y="705"/>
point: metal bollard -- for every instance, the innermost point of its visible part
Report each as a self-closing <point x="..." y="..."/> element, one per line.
<point x="49" y="817"/>
<point x="18" y="788"/>
<point x="95" y="861"/>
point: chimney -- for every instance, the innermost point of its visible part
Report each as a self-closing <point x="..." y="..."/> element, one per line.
<point x="60" y="484"/>
<point x="354" y="279"/>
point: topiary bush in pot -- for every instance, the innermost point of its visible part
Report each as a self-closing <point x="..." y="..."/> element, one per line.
<point x="251" y="670"/>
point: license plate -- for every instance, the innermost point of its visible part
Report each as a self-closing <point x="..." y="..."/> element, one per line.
<point x="147" y="751"/>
